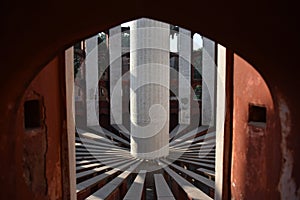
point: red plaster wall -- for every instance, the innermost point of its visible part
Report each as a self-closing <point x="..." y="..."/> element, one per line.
<point x="38" y="150"/>
<point x="256" y="151"/>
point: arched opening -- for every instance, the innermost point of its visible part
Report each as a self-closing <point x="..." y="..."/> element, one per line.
<point x="97" y="168"/>
<point x="191" y="157"/>
<point x="250" y="54"/>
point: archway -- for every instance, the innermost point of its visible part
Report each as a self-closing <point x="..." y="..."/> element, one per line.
<point x="32" y="61"/>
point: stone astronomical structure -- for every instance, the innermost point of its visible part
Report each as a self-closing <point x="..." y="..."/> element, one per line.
<point x="149" y="83"/>
<point x="149" y="138"/>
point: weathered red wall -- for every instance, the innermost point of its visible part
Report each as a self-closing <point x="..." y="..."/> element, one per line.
<point x="256" y="157"/>
<point x="38" y="150"/>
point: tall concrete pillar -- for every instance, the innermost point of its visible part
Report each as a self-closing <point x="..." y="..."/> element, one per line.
<point x="91" y="80"/>
<point x="149" y="88"/>
<point x="208" y="82"/>
<point x="184" y="79"/>
<point x="220" y="122"/>
<point x="115" y="74"/>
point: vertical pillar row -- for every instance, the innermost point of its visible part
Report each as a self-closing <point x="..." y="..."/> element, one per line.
<point x="184" y="78"/>
<point x="208" y="82"/>
<point x="91" y="79"/>
<point x="115" y="75"/>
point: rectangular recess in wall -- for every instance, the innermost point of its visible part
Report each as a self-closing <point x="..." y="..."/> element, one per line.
<point x="257" y="113"/>
<point x="32" y="114"/>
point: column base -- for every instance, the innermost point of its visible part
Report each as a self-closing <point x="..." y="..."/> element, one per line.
<point x="161" y="153"/>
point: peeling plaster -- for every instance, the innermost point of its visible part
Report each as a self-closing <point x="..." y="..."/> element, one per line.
<point x="35" y="148"/>
<point x="46" y="138"/>
<point x="287" y="185"/>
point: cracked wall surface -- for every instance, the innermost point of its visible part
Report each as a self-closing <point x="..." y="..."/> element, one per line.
<point x="38" y="149"/>
<point x="256" y="159"/>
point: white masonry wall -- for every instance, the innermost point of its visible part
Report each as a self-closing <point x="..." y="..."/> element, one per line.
<point x="208" y="82"/>
<point x="220" y="120"/>
<point x="115" y="71"/>
<point x="184" y="78"/>
<point x="149" y="85"/>
<point x="91" y="78"/>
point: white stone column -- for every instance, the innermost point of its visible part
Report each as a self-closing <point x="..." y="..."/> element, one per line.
<point x="91" y="79"/>
<point x="149" y="88"/>
<point x="115" y="74"/>
<point x="208" y="82"/>
<point x="220" y="121"/>
<point x="184" y="79"/>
